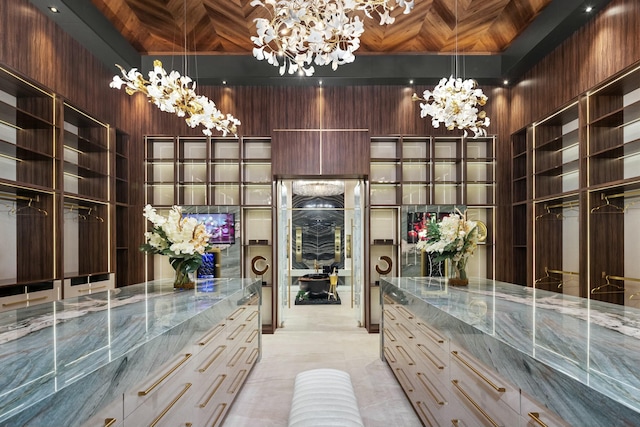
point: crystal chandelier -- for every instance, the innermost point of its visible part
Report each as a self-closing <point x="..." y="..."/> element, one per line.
<point x="318" y="188"/>
<point x="174" y="93"/>
<point x="321" y="32"/>
<point x="455" y="102"/>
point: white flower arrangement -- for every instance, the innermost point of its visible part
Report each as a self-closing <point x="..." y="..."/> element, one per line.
<point x="183" y="239"/>
<point x="176" y="94"/>
<point x="454" y="237"/>
<point x="455" y="103"/>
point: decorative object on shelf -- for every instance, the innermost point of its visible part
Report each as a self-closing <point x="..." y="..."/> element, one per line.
<point x="176" y="94"/>
<point x="317" y="188"/>
<point x="453" y="238"/>
<point x="455" y="102"/>
<point x="387" y="269"/>
<point x="302" y="32"/>
<point x="182" y="239"/>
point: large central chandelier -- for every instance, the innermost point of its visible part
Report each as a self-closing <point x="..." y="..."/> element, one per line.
<point x="317" y="188"/>
<point x="321" y="32"/>
<point x="176" y="94"/>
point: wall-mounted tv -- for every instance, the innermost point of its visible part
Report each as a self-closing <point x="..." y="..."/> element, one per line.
<point x="221" y="226"/>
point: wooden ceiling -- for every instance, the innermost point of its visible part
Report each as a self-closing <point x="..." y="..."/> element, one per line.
<point x="226" y="26"/>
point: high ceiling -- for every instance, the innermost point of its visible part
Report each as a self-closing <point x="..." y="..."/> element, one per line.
<point x="498" y="39"/>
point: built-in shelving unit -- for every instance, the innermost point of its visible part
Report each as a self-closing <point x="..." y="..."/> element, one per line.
<point x="122" y="206"/>
<point x="575" y="185"/>
<point x="57" y="173"/>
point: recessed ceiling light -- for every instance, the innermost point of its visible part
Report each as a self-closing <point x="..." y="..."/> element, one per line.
<point x="505" y="82"/>
<point x="54" y="9"/>
<point x="320" y="82"/>
<point x="410" y="82"/>
<point x="588" y="9"/>
<point x="224" y="82"/>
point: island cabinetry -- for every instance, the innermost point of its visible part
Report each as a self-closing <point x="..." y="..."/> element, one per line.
<point x="199" y="385"/>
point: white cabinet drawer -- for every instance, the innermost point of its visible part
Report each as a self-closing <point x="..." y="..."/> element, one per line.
<point x="470" y="411"/>
<point x="432" y="400"/>
<point x="152" y="386"/>
<point x="535" y="415"/>
<point x="483" y="384"/>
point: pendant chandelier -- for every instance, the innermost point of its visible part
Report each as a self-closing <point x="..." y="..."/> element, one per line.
<point x="455" y="102"/>
<point x="321" y="32"/>
<point x="317" y="188"/>
<point x="176" y="94"/>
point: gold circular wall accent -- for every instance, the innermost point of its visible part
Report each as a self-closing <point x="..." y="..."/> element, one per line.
<point x="387" y="270"/>
<point x="482" y="231"/>
<point x="254" y="267"/>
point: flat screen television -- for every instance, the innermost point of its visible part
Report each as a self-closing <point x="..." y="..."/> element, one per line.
<point x="221" y="226"/>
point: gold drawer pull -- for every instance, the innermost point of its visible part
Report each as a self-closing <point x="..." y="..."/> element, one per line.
<point x="253" y="356"/>
<point x="108" y="422"/>
<point x="236" y="357"/>
<point x="237" y="382"/>
<point x="430" y="333"/>
<point x="428" y="355"/>
<point x="464" y="393"/>
<point x="92" y="288"/>
<point x="24" y="301"/>
<point x="236" y="332"/>
<point x="216" y="353"/>
<point x="423" y="379"/>
<point x="217" y="383"/>
<point x="154" y="385"/>
<point x="253" y="336"/>
<point x="252" y="316"/>
<point x="406" y="330"/>
<point x="388" y="299"/>
<point x="388" y="355"/>
<point x="163" y="413"/>
<point x="236" y="313"/>
<point x="478" y="373"/>
<point x="389" y="315"/>
<point x="406" y="355"/>
<point x="455" y="423"/>
<point x="389" y="335"/>
<point x="405" y="312"/>
<point x="400" y="373"/>
<point x="424" y="411"/>
<point x="535" y="416"/>
<point x="220" y="410"/>
<point x="213" y="333"/>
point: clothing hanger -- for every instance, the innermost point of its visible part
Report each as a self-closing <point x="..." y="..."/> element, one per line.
<point x="28" y="210"/>
<point x="548" y="215"/>
<point x="548" y="279"/>
<point x="607" y="207"/>
<point x="94" y="217"/>
<point x="619" y="289"/>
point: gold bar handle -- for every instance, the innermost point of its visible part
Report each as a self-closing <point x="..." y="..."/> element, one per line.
<point x="237" y="382"/>
<point x="220" y="410"/>
<point x="424" y="411"/>
<point x="388" y="355"/>
<point x="236" y="313"/>
<point x="154" y="385"/>
<point x="217" y="383"/>
<point x="425" y="351"/>
<point x="108" y="422"/>
<point x="400" y="372"/>
<point x="473" y="402"/>
<point x="388" y="334"/>
<point x="406" y="331"/>
<point x="213" y="333"/>
<point x="253" y="356"/>
<point x="216" y="353"/>
<point x="455" y="423"/>
<point x="389" y="315"/>
<point x="405" y="312"/>
<point x="430" y="333"/>
<point x="168" y="408"/>
<point x="535" y="416"/>
<point x="252" y="316"/>
<point x="478" y="373"/>
<point x="251" y="337"/>
<point x="9" y="304"/>
<point x="236" y="357"/>
<point x="423" y="379"/>
<point x="92" y="289"/>
<point x="233" y="335"/>
<point x="406" y="355"/>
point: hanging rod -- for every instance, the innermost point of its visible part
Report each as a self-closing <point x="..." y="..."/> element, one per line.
<point x="570" y="273"/>
<point x="563" y="205"/>
<point x="10" y="196"/>
<point x="629" y="193"/>
<point x="630" y="279"/>
<point x="77" y="207"/>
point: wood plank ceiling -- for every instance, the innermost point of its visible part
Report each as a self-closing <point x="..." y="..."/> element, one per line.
<point x="226" y="26"/>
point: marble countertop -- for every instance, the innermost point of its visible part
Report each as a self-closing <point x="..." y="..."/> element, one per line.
<point x="51" y="352"/>
<point x="588" y="350"/>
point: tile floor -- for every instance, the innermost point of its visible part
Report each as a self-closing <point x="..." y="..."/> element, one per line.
<point x="320" y="336"/>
